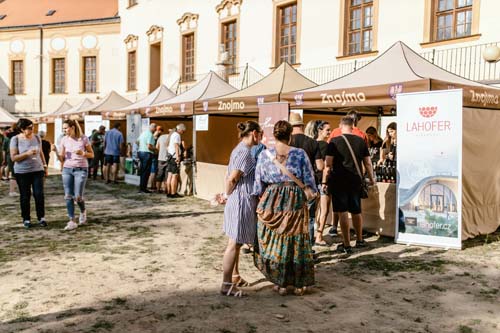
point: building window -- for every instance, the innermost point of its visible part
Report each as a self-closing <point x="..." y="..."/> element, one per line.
<point x="89" y="74"/>
<point x="17" y="77"/>
<point x="188" y="57"/>
<point x="131" y="71"/>
<point x="359" y="26"/>
<point x="287" y="34"/>
<point x="58" y="76"/>
<point x="229" y="42"/>
<point x="452" y="19"/>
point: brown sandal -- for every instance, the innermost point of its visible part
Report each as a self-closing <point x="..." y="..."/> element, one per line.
<point x="232" y="291"/>
<point x="239" y="281"/>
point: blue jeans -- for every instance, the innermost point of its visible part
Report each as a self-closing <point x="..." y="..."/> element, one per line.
<point x="311" y="206"/>
<point x="145" y="169"/>
<point x="74" y="180"/>
<point x="26" y="181"/>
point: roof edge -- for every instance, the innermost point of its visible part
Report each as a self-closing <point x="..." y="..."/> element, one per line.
<point x="113" y="19"/>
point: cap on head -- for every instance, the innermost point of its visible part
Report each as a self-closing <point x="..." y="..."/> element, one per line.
<point x="296" y="119"/>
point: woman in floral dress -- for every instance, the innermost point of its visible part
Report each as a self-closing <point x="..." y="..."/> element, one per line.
<point x="284" y="253"/>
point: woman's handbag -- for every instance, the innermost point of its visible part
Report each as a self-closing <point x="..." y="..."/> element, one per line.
<point x="310" y="194"/>
<point x="363" y="191"/>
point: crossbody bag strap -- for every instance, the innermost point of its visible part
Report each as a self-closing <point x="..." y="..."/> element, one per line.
<point x="284" y="169"/>
<point x="353" y="157"/>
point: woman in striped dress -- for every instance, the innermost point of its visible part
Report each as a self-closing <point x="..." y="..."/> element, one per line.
<point x="239" y="214"/>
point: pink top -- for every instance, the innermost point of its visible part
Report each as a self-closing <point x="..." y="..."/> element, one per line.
<point x="71" y="145"/>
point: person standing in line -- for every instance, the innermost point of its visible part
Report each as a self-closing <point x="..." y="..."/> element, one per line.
<point x="311" y="147"/>
<point x="29" y="170"/>
<point x="113" y="142"/>
<point x="239" y="213"/>
<point x="74" y="154"/>
<point x="97" y="140"/>
<point x="323" y="129"/>
<point x="175" y="157"/>
<point x="146" y="149"/>
<point x="161" y="175"/>
<point x="284" y="250"/>
<point x="356" y="117"/>
<point x="344" y="181"/>
<point x="154" y="162"/>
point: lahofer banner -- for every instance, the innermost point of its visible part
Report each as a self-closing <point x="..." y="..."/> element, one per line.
<point x="429" y="163"/>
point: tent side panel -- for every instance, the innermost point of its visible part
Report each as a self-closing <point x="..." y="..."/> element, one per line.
<point x="480" y="172"/>
<point x="215" y="145"/>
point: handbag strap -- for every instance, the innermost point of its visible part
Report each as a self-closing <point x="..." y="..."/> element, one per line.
<point x="353" y="157"/>
<point x="284" y="169"/>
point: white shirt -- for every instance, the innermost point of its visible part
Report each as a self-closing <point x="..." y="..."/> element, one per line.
<point x="175" y="137"/>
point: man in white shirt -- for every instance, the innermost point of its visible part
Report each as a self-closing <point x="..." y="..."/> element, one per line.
<point x="174" y="161"/>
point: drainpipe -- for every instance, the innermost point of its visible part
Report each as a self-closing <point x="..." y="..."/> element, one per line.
<point x="41" y="69"/>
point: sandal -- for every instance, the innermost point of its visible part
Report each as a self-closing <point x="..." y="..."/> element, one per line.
<point x="281" y="291"/>
<point x="299" y="291"/>
<point x="239" y="281"/>
<point x="231" y="291"/>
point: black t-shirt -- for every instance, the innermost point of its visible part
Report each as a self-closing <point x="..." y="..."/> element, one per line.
<point x="309" y="145"/>
<point x="343" y="174"/>
<point x="311" y="148"/>
<point x="323" y="149"/>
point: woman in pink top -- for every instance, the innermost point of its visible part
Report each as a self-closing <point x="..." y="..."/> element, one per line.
<point x="74" y="154"/>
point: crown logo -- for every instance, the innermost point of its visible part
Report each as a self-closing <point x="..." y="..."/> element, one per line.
<point x="428" y="111"/>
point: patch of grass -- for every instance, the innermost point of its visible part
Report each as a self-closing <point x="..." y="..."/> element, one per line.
<point x="87" y="310"/>
<point x="102" y="324"/>
<point x="381" y="264"/>
<point x="465" y="329"/>
<point x="67" y="314"/>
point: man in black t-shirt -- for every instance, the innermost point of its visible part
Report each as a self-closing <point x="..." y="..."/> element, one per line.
<point x="343" y="180"/>
<point x="311" y="147"/>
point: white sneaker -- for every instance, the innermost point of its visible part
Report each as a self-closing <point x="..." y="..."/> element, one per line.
<point x="13" y="194"/>
<point x="83" y="218"/>
<point x="70" y="226"/>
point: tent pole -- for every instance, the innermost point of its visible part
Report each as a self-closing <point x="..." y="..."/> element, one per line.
<point x="193" y="174"/>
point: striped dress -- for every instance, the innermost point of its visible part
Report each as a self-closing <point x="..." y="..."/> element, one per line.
<point x="240" y="219"/>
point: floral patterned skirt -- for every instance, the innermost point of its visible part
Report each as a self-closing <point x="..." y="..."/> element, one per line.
<point x="283" y="251"/>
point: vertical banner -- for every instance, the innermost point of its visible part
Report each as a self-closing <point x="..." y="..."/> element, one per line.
<point x="92" y="123"/>
<point x="145" y="125"/>
<point x="270" y="114"/>
<point x="134" y="127"/>
<point x="429" y="163"/>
